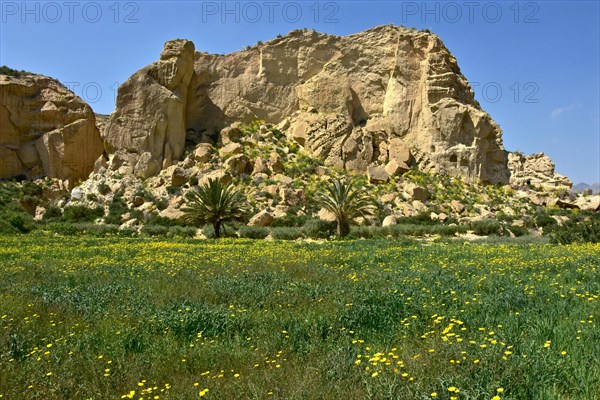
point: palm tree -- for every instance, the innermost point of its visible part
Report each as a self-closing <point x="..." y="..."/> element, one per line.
<point x="214" y="203"/>
<point x="345" y="202"/>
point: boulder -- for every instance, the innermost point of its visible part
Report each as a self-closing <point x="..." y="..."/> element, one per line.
<point x="416" y="192"/>
<point x="230" y="134"/>
<point x="457" y="206"/>
<point x="231" y="149"/>
<point x="237" y="164"/>
<point x="377" y="174"/>
<point x="394" y="167"/>
<point x="390" y="220"/>
<point x="292" y="197"/>
<point x="203" y="153"/>
<point x="262" y="219"/>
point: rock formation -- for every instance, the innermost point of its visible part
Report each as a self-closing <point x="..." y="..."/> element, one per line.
<point x="536" y="169"/>
<point x="45" y="130"/>
<point x="148" y="129"/>
<point x="344" y="98"/>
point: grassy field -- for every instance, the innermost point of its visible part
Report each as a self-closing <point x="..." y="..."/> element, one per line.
<point x="85" y="318"/>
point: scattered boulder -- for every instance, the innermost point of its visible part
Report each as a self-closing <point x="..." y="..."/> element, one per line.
<point x="416" y="192"/>
<point x="457" y="206"/>
<point x="292" y="197"/>
<point x="230" y="134"/>
<point x="377" y="174"/>
<point x="262" y="219"/>
<point x="394" y="167"/>
<point x="203" y="153"/>
<point x="231" y="149"/>
<point x="237" y="164"/>
<point x="390" y="220"/>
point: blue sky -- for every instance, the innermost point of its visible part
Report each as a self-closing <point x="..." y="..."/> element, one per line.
<point x="534" y="65"/>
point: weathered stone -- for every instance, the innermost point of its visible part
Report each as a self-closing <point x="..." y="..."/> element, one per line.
<point x="260" y="167"/>
<point x="394" y="167"/>
<point x="377" y="174"/>
<point x="203" y="153"/>
<point x="231" y="149"/>
<point x="237" y="164"/>
<point x="45" y="130"/>
<point x="417" y="192"/>
<point x="275" y="163"/>
<point x="535" y="170"/>
<point x="388" y="198"/>
<point x="326" y="215"/>
<point x="230" y="134"/>
<point x="262" y="219"/>
<point x="390" y="220"/>
<point x="150" y="115"/>
<point x="177" y="176"/>
<point x="457" y="206"/>
<point x="292" y="197"/>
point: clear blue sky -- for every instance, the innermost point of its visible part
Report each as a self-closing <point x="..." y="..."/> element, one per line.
<point x="537" y="63"/>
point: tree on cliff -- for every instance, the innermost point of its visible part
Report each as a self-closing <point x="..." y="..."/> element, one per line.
<point x="214" y="203"/>
<point x="345" y="201"/>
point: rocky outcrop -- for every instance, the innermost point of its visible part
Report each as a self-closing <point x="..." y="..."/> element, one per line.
<point x="347" y="98"/>
<point x="149" y="120"/>
<point x="536" y="169"/>
<point x="387" y="98"/>
<point x="45" y="130"/>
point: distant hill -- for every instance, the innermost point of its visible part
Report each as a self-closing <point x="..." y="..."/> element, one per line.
<point x="580" y="187"/>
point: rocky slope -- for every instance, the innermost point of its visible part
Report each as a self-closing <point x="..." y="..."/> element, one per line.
<point x="389" y="95"/>
<point x="45" y="130"/>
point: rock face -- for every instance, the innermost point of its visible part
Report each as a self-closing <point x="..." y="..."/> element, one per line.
<point x="536" y="169"/>
<point x="389" y="97"/>
<point x="149" y="121"/>
<point x="348" y="98"/>
<point x="45" y="130"/>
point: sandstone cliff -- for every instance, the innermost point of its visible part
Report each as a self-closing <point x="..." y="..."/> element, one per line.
<point x="45" y="130"/>
<point x="344" y="98"/>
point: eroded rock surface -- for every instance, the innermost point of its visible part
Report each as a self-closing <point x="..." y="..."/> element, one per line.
<point x="45" y="130"/>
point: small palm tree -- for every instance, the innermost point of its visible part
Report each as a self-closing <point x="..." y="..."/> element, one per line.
<point x="214" y="203"/>
<point x="345" y="202"/>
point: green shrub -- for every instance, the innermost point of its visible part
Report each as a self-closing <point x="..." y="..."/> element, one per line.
<point x="486" y="227"/>
<point x="286" y="233"/>
<point x="6" y="227"/>
<point x="543" y="220"/>
<point x="581" y="229"/>
<point x="62" y="228"/>
<point x="115" y="210"/>
<point x="318" y="229"/>
<point x="182" y="232"/>
<point x="290" y="219"/>
<point x="253" y="232"/>
<point x="81" y="214"/>
<point x="52" y="213"/>
<point x="103" y="189"/>
<point x="164" y="221"/>
<point x="518" y="230"/>
<point x="154" y="230"/>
